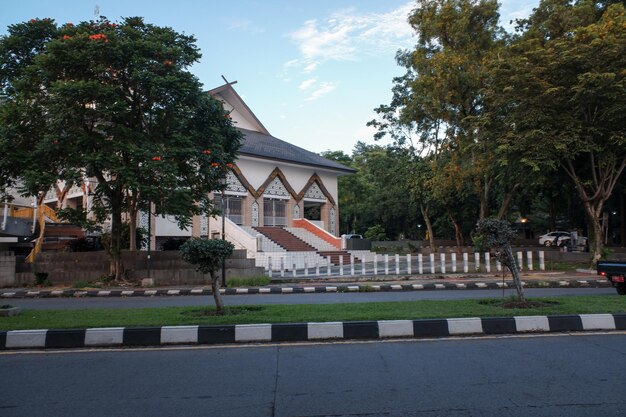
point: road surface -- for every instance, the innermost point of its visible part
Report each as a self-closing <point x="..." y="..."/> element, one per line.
<point x="534" y="376"/>
<point x="312" y="298"/>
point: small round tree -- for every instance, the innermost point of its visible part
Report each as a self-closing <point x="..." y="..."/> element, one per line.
<point x="498" y="236"/>
<point x="208" y="256"/>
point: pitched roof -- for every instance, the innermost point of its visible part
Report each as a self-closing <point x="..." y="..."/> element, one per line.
<point x="268" y="147"/>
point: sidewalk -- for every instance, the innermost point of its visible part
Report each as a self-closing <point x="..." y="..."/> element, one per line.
<point x="580" y="278"/>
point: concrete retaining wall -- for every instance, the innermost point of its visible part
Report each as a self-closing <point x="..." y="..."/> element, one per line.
<point x="7" y="269"/>
<point x="166" y="267"/>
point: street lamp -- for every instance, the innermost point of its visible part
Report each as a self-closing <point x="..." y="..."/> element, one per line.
<point x="223" y="183"/>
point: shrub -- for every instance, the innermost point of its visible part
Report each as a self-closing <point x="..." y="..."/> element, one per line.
<point x="208" y="256"/>
<point x="376" y="232"/>
<point x="41" y="279"/>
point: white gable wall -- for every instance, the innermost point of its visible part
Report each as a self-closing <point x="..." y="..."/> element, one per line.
<point x="256" y="172"/>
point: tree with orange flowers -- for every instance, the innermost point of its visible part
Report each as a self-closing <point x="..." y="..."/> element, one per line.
<point x="118" y="103"/>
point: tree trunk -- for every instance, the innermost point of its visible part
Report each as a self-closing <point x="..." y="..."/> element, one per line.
<point x="132" y="212"/>
<point x="595" y="230"/>
<point x="116" y="268"/>
<point x="514" y="268"/>
<point x="484" y="199"/>
<point x="506" y="202"/>
<point x="429" y="227"/>
<point x="458" y="233"/>
<point x="215" y="287"/>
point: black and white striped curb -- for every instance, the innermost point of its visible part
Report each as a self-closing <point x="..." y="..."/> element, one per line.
<point x="304" y="289"/>
<point x="305" y="332"/>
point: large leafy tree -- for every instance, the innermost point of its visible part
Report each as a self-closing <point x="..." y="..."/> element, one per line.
<point x="565" y="85"/>
<point x="443" y="87"/>
<point x="119" y="104"/>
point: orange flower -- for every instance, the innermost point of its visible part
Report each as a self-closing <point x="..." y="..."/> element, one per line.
<point x="156" y="158"/>
<point x="167" y="63"/>
<point x="98" y="37"/>
<point x="33" y="20"/>
<point x="69" y="24"/>
<point x="206" y="152"/>
<point x="229" y="165"/>
<point x="66" y="37"/>
<point x="215" y="165"/>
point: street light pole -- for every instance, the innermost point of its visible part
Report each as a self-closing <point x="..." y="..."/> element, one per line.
<point x="223" y="182"/>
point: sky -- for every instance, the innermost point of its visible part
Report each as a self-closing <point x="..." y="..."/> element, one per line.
<point x="312" y="71"/>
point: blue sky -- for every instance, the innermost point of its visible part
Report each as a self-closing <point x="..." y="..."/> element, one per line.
<point x="312" y="71"/>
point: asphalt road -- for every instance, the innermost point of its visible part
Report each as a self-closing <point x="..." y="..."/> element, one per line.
<point x="311" y="298"/>
<point x="564" y="375"/>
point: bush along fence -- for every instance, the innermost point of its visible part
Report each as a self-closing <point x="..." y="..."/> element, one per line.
<point x="372" y="264"/>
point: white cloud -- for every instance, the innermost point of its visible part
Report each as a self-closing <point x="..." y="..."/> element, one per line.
<point x="323" y="89"/>
<point x="346" y="35"/>
<point x="306" y="84"/>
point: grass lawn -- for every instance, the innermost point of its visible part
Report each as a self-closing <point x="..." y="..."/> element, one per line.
<point x="172" y="316"/>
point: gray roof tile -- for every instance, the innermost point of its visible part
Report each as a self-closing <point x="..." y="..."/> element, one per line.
<point x="266" y="146"/>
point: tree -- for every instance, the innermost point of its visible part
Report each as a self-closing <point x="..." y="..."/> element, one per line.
<point x="497" y="235"/>
<point x="446" y="73"/>
<point x="209" y="256"/>
<point x="565" y="85"/>
<point x="118" y="104"/>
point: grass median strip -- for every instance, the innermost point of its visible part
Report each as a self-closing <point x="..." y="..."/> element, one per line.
<point x="176" y="316"/>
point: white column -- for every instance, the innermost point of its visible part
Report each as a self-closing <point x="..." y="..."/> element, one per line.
<point x="269" y="265"/>
<point x="442" y="257"/>
<point x="328" y="266"/>
<point x="34" y="214"/>
<point x="282" y="267"/>
<point x="397" y="264"/>
<point x="341" y="265"/>
<point x="542" y="260"/>
<point x="363" y="264"/>
<point x="375" y="264"/>
<point x="477" y="261"/>
<point x="529" y="260"/>
<point x="453" y="256"/>
<point x="498" y="266"/>
<point x="465" y="262"/>
<point x="487" y="262"/>
<point x="520" y="261"/>
<point x="317" y="268"/>
<point x="352" y="265"/>
<point x="432" y="263"/>
<point x="420" y="264"/>
<point x="5" y="215"/>
<point x="408" y="264"/>
<point x="386" y="264"/>
<point x="294" y="270"/>
<point x="306" y="269"/>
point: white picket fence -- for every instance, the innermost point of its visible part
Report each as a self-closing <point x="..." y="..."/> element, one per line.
<point x="397" y="265"/>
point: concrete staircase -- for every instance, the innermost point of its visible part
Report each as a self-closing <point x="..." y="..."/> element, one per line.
<point x="267" y="244"/>
<point x="317" y="242"/>
<point x="295" y="239"/>
<point x="335" y="255"/>
<point x="284" y="239"/>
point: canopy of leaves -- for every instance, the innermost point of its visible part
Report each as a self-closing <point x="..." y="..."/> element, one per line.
<point x="495" y="234"/>
<point x="206" y="254"/>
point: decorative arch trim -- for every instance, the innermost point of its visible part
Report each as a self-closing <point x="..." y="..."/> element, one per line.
<point x="277" y="173"/>
<point x="317" y="180"/>
<point x="242" y="179"/>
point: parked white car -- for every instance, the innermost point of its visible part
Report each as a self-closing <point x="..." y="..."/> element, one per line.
<point x="559" y="238"/>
